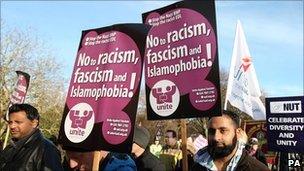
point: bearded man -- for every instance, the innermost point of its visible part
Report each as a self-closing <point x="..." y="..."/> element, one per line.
<point x="224" y="151"/>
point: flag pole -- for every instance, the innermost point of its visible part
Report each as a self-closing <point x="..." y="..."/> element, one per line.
<point x="20" y="90"/>
<point x="225" y="105"/>
<point x="6" y="135"/>
<point x="184" y="144"/>
<point x="96" y="160"/>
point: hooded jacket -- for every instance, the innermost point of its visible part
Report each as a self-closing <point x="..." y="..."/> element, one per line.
<point x="148" y="162"/>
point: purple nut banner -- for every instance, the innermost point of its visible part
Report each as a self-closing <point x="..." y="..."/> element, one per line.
<point x="285" y="124"/>
<point x="102" y="99"/>
<point x="181" y="61"/>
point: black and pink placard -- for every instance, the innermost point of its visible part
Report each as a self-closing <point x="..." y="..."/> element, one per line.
<point x="103" y="94"/>
<point x="181" y="61"/>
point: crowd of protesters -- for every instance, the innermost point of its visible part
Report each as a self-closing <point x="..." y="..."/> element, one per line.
<point x="227" y="149"/>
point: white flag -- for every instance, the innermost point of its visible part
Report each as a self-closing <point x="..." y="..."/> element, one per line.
<point x="243" y="91"/>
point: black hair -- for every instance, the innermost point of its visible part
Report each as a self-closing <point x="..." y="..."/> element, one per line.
<point x="173" y="133"/>
<point x="233" y="116"/>
<point x="31" y="112"/>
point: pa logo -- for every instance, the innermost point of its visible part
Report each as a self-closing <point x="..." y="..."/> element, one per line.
<point x="294" y="163"/>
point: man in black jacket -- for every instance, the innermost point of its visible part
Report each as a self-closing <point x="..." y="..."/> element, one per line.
<point x="28" y="150"/>
<point x="144" y="159"/>
<point x="253" y="150"/>
<point x="224" y="152"/>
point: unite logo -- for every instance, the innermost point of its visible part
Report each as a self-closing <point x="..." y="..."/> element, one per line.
<point x="79" y="122"/>
<point x="164" y="97"/>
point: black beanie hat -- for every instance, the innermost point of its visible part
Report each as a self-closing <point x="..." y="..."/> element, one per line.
<point x="141" y="136"/>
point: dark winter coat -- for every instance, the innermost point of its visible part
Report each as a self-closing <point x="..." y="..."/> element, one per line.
<point x="260" y="156"/>
<point x="246" y="163"/>
<point x="148" y="162"/>
<point x="33" y="153"/>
